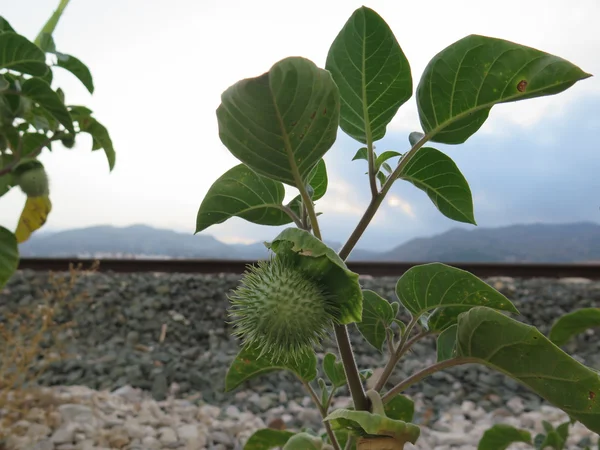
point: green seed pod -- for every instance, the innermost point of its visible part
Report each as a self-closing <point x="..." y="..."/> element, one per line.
<point x="281" y="310"/>
<point x="33" y="182"/>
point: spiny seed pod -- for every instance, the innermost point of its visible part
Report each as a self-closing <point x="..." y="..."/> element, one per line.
<point x="33" y="182"/>
<point x="281" y="311"/>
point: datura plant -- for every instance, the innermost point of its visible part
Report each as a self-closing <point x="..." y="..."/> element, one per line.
<point x="34" y="116"/>
<point x="280" y="125"/>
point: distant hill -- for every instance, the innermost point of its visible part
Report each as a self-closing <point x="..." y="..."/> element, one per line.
<point x="577" y="242"/>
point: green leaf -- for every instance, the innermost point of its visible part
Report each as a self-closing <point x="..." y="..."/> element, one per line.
<point x="387" y="167"/>
<point x="5" y="26"/>
<point x="32" y="142"/>
<point x="243" y="193"/>
<point x="381" y="177"/>
<point x="574" y="323"/>
<point x="318" y="180"/>
<point x="365" y="374"/>
<point x="400" y="408"/>
<point x="334" y="370"/>
<point x="77" y="68"/>
<point x="101" y="138"/>
<point x="362" y="153"/>
<point x="41" y="93"/>
<point x="46" y="42"/>
<point x="395" y="308"/>
<point x="377" y="316"/>
<point x="372" y="73"/>
<point x="415" y="137"/>
<point x="281" y="123"/>
<point x="33" y="217"/>
<point x="438" y="176"/>
<point x="462" y="83"/>
<point x="501" y="436"/>
<point x="9" y="255"/>
<point x="388" y="154"/>
<point x="247" y="365"/>
<point x="17" y="53"/>
<point x="305" y="441"/>
<point x="6" y="181"/>
<point x="523" y="353"/>
<point x="443" y="318"/>
<point x="446" y="344"/>
<point x="267" y="439"/>
<point x="427" y="287"/>
<point x="321" y="262"/>
<point x="4" y="84"/>
<point x="364" y="422"/>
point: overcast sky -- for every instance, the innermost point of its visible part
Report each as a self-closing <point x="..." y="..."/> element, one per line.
<point x="159" y="68"/>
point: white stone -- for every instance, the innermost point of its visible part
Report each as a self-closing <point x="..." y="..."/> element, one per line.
<point x="516" y="405"/>
<point x="72" y="412"/>
<point x="232" y="411"/>
<point x="65" y="434"/>
<point x="167" y="435"/>
<point x="150" y="443"/>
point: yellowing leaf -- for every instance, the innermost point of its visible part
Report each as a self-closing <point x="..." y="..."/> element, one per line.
<point x="34" y="215"/>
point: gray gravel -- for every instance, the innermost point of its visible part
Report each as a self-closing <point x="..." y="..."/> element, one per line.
<point x="116" y="339"/>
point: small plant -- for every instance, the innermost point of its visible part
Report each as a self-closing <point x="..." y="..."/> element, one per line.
<point x="280" y="125"/>
<point x="33" y="117"/>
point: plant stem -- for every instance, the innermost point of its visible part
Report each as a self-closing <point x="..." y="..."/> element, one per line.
<point x="371" y="160"/>
<point x="286" y="209"/>
<point x="361" y="403"/>
<point x="17" y="161"/>
<point x="415" y="378"/>
<point x="323" y="411"/>
<point x="395" y="357"/>
<point x="378" y="199"/>
<point x="51" y="23"/>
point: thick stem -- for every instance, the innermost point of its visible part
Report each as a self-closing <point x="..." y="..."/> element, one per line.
<point x="51" y="23"/>
<point x="323" y="410"/>
<point x="415" y="378"/>
<point x="361" y="403"/>
<point x="310" y="209"/>
<point x="372" y="174"/>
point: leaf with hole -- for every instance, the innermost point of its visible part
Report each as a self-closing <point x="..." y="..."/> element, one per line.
<point x="446" y="344"/>
<point x="19" y="54"/>
<point x="427" y="287"/>
<point x="372" y="73"/>
<point x="247" y="365"/>
<point x="377" y="316"/>
<point x="501" y="436"/>
<point x="9" y="255"/>
<point x="334" y="370"/>
<point x="243" y="193"/>
<point x="281" y="123"/>
<point x="574" y="323"/>
<point x="41" y="93"/>
<point x="267" y="439"/>
<point x="462" y="83"/>
<point x="438" y="176"/>
<point x="523" y="353"/>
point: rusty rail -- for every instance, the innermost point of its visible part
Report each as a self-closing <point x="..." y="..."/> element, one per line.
<point x="373" y="268"/>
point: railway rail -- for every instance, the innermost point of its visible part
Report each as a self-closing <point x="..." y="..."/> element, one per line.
<point x="372" y="268"/>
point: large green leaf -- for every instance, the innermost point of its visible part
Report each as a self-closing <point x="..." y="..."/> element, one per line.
<point x="7" y="180"/>
<point x="281" y="123"/>
<point x="77" y="68"/>
<point x="318" y="180"/>
<point x="426" y="287"/>
<point x="446" y="344"/>
<point x="501" y="436"/>
<point x="334" y="370"/>
<point x="438" y="176"/>
<point x="267" y="439"/>
<point x="372" y="74"/>
<point x="19" y="54"/>
<point x="9" y="255"/>
<point x="242" y="192"/>
<point x="464" y="81"/>
<point x="5" y="26"/>
<point x="574" y="323"/>
<point x="101" y="137"/>
<point x="523" y="353"/>
<point x="247" y="365"/>
<point x="41" y="93"/>
<point x="376" y="318"/>
<point x="323" y="264"/>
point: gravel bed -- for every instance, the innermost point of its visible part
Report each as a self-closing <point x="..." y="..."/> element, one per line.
<point x="166" y="335"/>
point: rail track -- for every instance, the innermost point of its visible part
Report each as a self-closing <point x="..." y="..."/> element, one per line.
<point x="373" y="268"/>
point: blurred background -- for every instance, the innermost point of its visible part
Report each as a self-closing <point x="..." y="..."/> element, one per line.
<point x="159" y="69"/>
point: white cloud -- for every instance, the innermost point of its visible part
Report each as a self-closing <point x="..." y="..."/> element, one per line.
<point x="160" y="67"/>
<point x="396" y="202"/>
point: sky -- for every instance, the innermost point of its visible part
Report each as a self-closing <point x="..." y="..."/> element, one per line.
<point x="160" y="67"/>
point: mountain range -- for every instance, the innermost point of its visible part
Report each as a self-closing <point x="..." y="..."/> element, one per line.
<point x="575" y="242"/>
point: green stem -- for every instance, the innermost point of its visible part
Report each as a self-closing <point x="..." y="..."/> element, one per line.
<point x="286" y="209"/>
<point x="51" y="23"/>
<point x="361" y="403"/>
<point x="415" y="378"/>
<point x="310" y="208"/>
<point x="323" y="411"/>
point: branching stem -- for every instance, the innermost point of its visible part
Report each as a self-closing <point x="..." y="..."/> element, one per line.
<point x="323" y="410"/>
